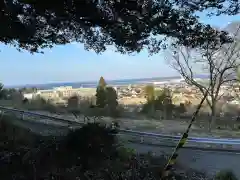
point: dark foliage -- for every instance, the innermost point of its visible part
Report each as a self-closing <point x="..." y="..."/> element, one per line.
<point x="28" y="90"/>
<point x="148" y="108"/>
<point x="149" y="92"/>
<point x="73" y="105"/>
<point x="225" y="174"/>
<point x="8" y="93"/>
<point x="218" y="7"/>
<point x="101" y="97"/>
<point x="129" y="25"/>
<point x="161" y="101"/>
<point x="58" y="158"/>
<point x="112" y="101"/>
<point x="182" y="108"/>
<point x="25" y="101"/>
<point x="92" y="143"/>
<point x="2" y="92"/>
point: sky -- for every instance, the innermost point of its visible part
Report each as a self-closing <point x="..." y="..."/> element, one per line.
<point x="71" y="63"/>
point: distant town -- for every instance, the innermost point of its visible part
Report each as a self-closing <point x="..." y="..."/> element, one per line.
<point x="133" y="94"/>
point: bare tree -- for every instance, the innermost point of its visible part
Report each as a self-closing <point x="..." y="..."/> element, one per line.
<point x="219" y="64"/>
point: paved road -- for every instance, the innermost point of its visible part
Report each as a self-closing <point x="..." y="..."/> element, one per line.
<point x="207" y="161"/>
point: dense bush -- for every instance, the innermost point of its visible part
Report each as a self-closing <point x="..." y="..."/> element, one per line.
<point x="92" y="143"/>
<point x="40" y="103"/>
<point x="225" y="175"/>
<point x="161" y="101"/>
<point x="148" y="109"/>
<point x="73" y="102"/>
<point x="125" y="153"/>
<point x="85" y="149"/>
<point x="73" y="105"/>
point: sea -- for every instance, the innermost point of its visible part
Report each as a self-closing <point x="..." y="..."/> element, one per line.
<point x="92" y="84"/>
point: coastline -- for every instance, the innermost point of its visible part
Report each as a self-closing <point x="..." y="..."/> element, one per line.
<point x="93" y="84"/>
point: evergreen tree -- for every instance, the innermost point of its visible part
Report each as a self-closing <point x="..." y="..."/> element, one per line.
<point x="101" y="93"/>
<point x="102" y="83"/>
<point x="112" y="101"/>
<point x="2" y="91"/>
<point x="149" y="92"/>
<point x="100" y="97"/>
<point x="149" y="106"/>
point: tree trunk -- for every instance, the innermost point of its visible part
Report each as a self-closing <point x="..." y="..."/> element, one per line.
<point x="151" y="111"/>
<point x="165" y="113"/>
<point x="212" y="121"/>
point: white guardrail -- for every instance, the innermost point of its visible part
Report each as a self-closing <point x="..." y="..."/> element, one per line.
<point x="223" y="141"/>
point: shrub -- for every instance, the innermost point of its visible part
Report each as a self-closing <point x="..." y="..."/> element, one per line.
<point x="162" y="102"/>
<point x="57" y="158"/>
<point x="148" y="109"/>
<point x="73" y="105"/>
<point x="180" y="110"/>
<point x="50" y="107"/>
<point x="225" y="175"/>
<point x="73" y="102"/>
<point x="25" y="100"/>
<point x="92" y="143"/>
<point x="125" y="153"/>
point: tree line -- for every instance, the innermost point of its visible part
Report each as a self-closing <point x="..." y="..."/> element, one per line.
<point x="161" y="100"/>
<point x="13" y="93"/>
<point x="105" y="103"/>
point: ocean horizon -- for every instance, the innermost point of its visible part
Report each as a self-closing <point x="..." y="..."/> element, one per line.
<point x="91" y="84"/>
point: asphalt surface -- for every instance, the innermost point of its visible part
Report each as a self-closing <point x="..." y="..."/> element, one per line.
<point x="210" y="162"/>
<point x="207" y="161"/>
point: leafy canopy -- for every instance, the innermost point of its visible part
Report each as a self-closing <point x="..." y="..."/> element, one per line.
<point x="128" y="25"/>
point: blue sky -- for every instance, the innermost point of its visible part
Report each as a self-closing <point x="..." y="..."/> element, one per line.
<point x="71" y="63"/>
